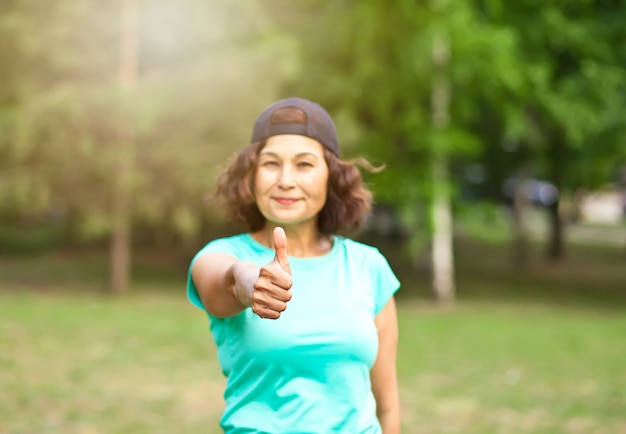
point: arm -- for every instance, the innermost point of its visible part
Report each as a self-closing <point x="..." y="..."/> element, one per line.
<point x="224" y="283"/>
<point x="227" y="285"/>
<point x="383" y="374"/>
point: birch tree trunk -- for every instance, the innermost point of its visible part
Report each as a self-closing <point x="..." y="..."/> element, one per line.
<point x="120" y="249"/>
<point x="442" y="242"/>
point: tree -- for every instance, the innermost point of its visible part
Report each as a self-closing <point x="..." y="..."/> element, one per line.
<point x="442" y="244"/>
<point x="378" y="70"/>
<point x="573" y="64"/>
<point x="126" y="134"/>
<point x="204" y="77"/>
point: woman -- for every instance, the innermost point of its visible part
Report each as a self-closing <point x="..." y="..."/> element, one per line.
<point x="304" y="319"/>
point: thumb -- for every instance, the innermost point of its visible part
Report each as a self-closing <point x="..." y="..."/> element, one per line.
<point x="280" y="245"/>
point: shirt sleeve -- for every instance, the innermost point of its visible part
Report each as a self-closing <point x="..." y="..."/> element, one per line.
<point x="222" y="245"/>
<point x="386" y="283"/>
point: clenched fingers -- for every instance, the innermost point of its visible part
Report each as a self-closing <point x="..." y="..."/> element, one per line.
<point x="270" y="309"/>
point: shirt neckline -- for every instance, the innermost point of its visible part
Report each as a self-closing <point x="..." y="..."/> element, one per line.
<point x="304" y="261"/>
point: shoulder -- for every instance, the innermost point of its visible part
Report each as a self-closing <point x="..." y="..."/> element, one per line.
<point x="354" y="245"/>
<point x="370" y="262"/>
<point x="233" y="240"/>
<point x="359" y="249"/>
<point x="231" y="245"/>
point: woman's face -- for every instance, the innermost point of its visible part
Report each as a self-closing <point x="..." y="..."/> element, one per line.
<point x="291" y="179"/>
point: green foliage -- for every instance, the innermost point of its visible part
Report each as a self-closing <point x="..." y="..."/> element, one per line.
<point x="380" y="68"/>
<point x="205" y="70"/>
<point x="30" y="239"/>
<point x="535" y="83"/>
<point x="573" y="63"/>
<point x="532" y="84"/>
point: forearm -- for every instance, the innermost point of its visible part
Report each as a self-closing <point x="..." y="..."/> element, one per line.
<point x="390" y="421"/>
<point x="383" y="374"/>
<point x="224" y="283"/>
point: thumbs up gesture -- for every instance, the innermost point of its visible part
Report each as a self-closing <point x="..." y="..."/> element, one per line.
<point x="272" y="289"/>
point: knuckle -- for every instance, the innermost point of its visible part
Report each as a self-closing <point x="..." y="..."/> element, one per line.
<point x="263" y="313"/>
<point x="260" y="282"/>
<point x="267" y="313"/>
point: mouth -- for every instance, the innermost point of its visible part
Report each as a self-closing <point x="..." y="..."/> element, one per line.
<point x="285" y="200"/>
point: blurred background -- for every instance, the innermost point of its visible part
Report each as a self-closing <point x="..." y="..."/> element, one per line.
<point x="502" y="207"/>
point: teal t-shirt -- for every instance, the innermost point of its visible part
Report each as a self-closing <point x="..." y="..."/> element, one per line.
<point x="308" y="371"/>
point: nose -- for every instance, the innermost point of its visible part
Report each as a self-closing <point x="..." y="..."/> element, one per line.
<point x="286" y="177"/>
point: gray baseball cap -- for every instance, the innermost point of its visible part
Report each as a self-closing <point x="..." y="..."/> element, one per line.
<point x="318" y="125"/>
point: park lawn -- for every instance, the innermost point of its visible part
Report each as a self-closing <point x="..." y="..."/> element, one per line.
<point x="513" y="368"/>
<point x="538" y="350"/>
<point x="76" y="362"/>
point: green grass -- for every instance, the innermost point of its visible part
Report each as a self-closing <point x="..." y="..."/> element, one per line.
<point x="530" y="352"/>
<point x="505" y="368"/>
<point x="86" y="364"/>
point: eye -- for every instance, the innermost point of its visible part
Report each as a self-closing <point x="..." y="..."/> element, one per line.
<point x="269" y="163"/>
<point x="304" y="164"/>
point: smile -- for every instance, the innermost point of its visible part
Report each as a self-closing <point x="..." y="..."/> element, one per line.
<point x="285" y="200"/>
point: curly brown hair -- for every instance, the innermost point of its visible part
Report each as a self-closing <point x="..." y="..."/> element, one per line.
<point x="348" y="202"/>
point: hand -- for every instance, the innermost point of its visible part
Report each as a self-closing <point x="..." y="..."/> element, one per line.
<point x="272" y="290"/>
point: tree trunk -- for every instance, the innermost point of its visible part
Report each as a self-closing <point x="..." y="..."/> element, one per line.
<point x="120" y="252"/>
<point x="519" y="210"/>
<point x="442" y="243"/>
<point x="555" y="249"/>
